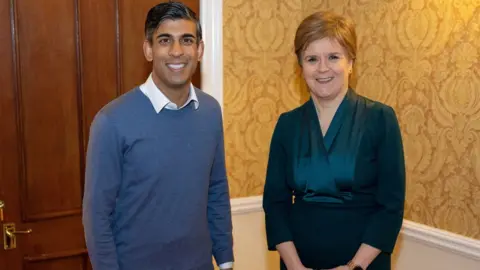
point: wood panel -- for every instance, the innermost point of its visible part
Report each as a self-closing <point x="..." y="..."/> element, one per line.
<point x="61" y="63"/>
<point x="49" y="108"/>
<point x="62" y="235"/>
<point x="132" y="23"/>
<point x="56" y="256"/>
<point x="70" y="262"/>
<point x="9" y="165"/>
<point x="9" y="158"/>
<point x="100" y="57"/>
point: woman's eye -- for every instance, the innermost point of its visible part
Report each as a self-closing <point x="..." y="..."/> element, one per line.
<point x="333" y="57"/>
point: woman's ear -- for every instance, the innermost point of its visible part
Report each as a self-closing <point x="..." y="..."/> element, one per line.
<point x="350" y="66"/>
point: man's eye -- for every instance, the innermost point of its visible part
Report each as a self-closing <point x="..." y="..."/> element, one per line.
<point x="187" y="41"/>
<point x="164" y="41"/>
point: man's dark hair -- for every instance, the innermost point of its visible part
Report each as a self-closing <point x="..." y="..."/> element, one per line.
<point x="169" y="11"/>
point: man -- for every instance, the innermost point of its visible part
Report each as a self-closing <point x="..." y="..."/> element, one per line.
<point x="156" y="191"/>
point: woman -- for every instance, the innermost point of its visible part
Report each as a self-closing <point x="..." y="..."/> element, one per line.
<point x="335" y="187"/>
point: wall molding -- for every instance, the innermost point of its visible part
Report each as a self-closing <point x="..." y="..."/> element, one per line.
<point x="426" y="235"/>
<point x="211" y="19"/>
<point x="246" y="205"/>
<point x="437" y="238"/>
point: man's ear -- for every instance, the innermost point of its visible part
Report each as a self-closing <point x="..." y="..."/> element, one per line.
<point x="148" y="50"/>
<point x="200" y="50"/>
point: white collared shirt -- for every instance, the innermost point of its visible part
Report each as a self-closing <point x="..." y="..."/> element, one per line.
<point x="160" y="101"/>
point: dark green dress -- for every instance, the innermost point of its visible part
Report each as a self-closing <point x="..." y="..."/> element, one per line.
<point x="331" y="194"/>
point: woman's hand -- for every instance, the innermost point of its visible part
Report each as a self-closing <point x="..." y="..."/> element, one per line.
<point x="341" y="267"/>
<point x="302" y="268"/>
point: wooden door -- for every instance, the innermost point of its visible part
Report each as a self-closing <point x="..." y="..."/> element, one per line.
<point x="59" y="64"/>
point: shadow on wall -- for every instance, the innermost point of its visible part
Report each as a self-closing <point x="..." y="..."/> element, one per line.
<point x="400" y="244"/>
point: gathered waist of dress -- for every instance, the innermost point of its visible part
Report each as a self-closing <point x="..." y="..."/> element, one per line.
<point x="357" y="200"/>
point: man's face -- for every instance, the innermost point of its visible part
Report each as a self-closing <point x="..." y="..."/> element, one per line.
<point x="175" y="52"/>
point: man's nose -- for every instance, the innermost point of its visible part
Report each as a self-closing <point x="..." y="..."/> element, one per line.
<point x="176" y="49"/>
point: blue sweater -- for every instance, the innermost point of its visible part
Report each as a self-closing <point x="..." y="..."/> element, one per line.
<point x="156" y="193"/>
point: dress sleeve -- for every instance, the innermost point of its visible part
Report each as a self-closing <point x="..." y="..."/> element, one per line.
<point x="385" y="225"/>
<point x="277" y="196"/>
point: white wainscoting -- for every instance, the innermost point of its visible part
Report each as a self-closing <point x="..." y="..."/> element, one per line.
<point x="419" y="247"/>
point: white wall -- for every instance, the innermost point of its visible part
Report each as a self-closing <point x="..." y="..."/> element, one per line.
<point x="250" y="245"/>
<point x="419" y="247"/>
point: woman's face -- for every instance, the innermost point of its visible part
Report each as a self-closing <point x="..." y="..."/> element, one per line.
<point x="325" y="68"/>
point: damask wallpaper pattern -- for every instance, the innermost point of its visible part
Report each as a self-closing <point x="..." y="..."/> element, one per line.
<point x="421" y="57"/>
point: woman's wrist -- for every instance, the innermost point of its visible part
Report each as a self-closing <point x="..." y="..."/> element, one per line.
<point x="355" y="265"/>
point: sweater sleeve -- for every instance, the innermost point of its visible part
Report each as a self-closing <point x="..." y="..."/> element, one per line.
<point x="102" y="178"/>
<point x="277" y="196"/>
<point x="218" y="210"/>
<point x="385" y="225"/>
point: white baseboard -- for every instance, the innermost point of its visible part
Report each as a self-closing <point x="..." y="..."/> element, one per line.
<point x="447" y="241"/>
<point x="246" y="205"/>
<point x="411" y="231"/>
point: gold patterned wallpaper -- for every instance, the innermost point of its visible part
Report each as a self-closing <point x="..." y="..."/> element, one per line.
<point x="421" y="57"/>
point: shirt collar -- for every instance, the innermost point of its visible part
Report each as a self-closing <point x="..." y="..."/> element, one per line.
<point x="160" y="101"/>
